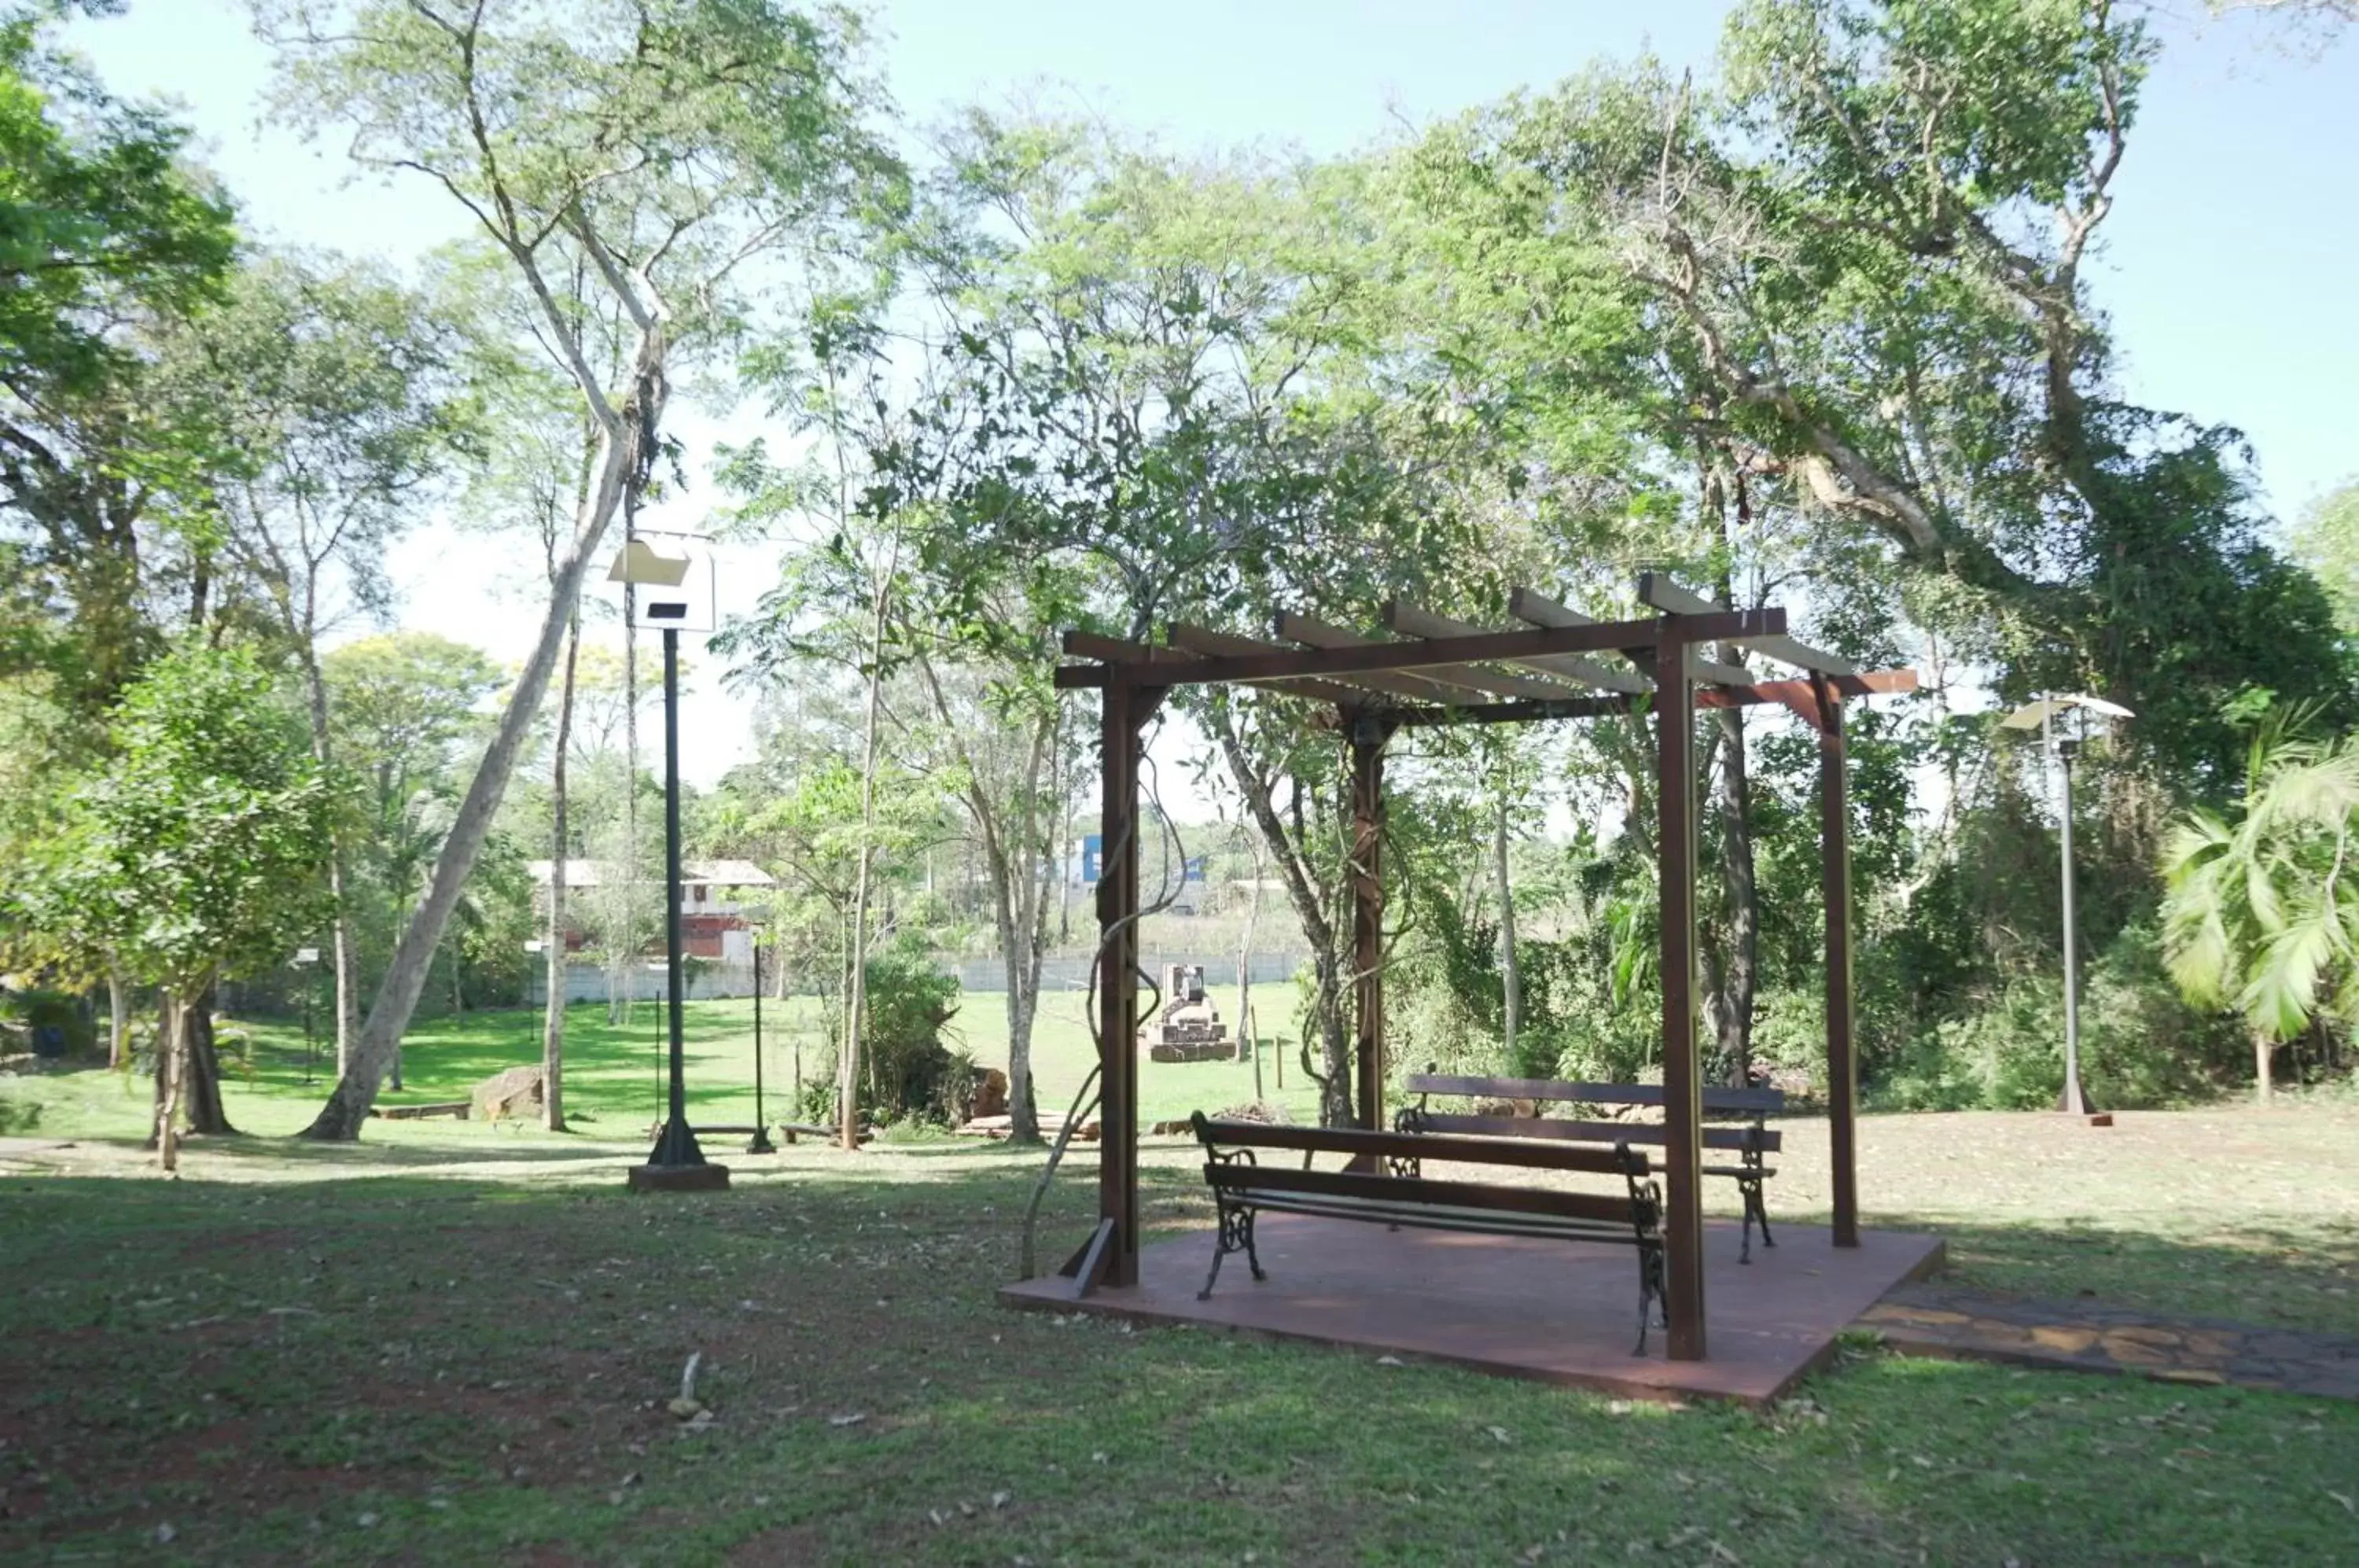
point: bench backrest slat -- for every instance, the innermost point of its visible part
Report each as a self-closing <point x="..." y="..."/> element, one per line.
<point x="1649" y="1133"/>
<point x="1730" y="1100"/>
<point x="1609" y="1209"/>
<point x="1413" y="1146"/>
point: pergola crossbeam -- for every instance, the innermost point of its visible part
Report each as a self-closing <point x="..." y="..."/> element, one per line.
<point x="1536" y="608"/>
<point x="1454" y="680"/>
<point x="1659" y="590"/>
<point x="1410" y="620"/>
<point x="1358" y="692"/>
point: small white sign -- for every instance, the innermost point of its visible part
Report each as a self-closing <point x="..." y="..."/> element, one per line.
<point x="306" y="956"/>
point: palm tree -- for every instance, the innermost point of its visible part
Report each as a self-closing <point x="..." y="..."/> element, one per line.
<point x="2258" y="915"/>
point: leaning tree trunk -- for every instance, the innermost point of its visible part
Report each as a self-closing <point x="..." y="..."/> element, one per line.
<point x="347" y="1107"/>
<point x="1326" y="1019"/>
<point x="1735" y="996"/>
<point x="552" y="1021"/>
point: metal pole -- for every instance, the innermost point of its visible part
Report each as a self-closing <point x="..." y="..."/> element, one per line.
<point x="760" y="1143"/>
<point x="2073" y="1100"/>
<point x="677" y="1147"/>
<point x="308" y="1051"/>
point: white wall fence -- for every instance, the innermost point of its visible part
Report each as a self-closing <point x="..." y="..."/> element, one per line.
<point x="709" y="980"/>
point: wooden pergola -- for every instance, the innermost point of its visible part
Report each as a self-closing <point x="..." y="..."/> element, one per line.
<point x="1432" y="670"/>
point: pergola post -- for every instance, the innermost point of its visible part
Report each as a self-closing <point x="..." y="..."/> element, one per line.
<point x="1843" y="1061"/>
<point x="1125" y="707"/>
<point x="1368" y="737"/>
<point x="1682" y="1091"/>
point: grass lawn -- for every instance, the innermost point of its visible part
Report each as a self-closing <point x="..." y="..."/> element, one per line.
<point x="611" y="1075"/>
<point x="454" y="1343"/>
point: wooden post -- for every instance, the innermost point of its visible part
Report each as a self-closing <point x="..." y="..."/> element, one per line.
<point x="1369" y="736"/>
<point x="1682" y="1098"/>
<point x="1842" y="1058"/>
<point x="1118" y="977"/>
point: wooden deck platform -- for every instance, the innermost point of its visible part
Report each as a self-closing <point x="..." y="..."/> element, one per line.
<point x="1558" y="1312"/>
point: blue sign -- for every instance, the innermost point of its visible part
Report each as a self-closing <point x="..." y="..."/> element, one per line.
<point x="1092" y="855"/>
<point x="1194" y="867"/>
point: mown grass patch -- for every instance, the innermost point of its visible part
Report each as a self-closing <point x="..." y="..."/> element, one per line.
<point x="279" y="1364"/>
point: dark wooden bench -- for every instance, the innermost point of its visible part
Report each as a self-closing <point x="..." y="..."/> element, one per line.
<point x="1751" y="1143"/>
<point x="1384" y="1183"/>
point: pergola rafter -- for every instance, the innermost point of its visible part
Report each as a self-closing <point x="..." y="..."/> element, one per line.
<point x="1436" y="669"/>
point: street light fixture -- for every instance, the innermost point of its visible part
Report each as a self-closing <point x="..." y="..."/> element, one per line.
<point x="2045" y="715"/>
<point x="676" y="1163"/>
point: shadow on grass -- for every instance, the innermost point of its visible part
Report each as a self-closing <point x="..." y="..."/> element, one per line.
<point x="483" y="1364"/>
<point x="2269" y="1273"/>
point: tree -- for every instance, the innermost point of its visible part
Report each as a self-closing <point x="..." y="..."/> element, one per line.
<point x="196" y="851"/>
<point x="404" y="721"/>
<point x="660" y="145"/>
<point x="106" y="237"/>
<point x="2326" y="540"/>
<point x="2258" y="917"/>
<point x="330" y="409"/>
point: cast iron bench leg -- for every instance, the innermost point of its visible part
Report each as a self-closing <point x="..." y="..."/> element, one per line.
<point x="1237" y="1234"/>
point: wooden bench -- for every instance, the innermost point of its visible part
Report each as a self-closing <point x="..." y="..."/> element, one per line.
<point x="1751" y="1143"/>
<point x="1386" y="1184"/>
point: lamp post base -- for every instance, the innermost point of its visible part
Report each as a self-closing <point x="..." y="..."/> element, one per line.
<point x="679" y="1178"/>
<point x="760" y="1142"/>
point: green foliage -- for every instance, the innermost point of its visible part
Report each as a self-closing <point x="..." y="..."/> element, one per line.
<point x="23" y="1012"/>
<point x="2257" y="917"/>
<point x="196" y="851"/>
<point x="910" y="1073"/>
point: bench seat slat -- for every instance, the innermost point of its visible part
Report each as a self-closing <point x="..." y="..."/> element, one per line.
<point x="1417" y="1192"/>
<point x="1484" y="1222"/>
<point x="1417" y="1145"/>
<point x="1768" y="1142"/>
<point x="1733" y="1101"/>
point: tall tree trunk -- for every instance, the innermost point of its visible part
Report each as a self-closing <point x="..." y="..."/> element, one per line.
<point x="201" y="1070"/>
<point x="118" y="1020"/>
<point x="169" y="1051"/>
<point x="1735" y="967"/>
<point x="1510" y="979"/>
<point x="2263" y="1051"/>
<point x="553" y="1020"/>
<point x="847" y="1091"/>
<point x="1244" y="968"/>
<point x="347" y="1106"/>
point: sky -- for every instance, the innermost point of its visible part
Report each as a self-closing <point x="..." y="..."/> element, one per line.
<point x="2229" y="267"/>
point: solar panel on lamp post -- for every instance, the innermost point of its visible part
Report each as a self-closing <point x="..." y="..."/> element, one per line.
<point x="2043" y="714"/>
<point x="676" y="1163"/>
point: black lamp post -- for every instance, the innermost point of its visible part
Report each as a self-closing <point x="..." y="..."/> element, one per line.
<point x="2073" y="1100"/>
<point x="676" y="1163"/>
<point x="305" y="957"/>
<point x="760" y="1143"/>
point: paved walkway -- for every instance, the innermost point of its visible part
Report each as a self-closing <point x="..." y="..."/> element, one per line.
<point x="1937" y="1319"/>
